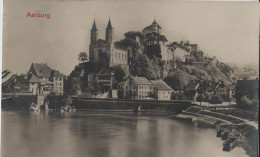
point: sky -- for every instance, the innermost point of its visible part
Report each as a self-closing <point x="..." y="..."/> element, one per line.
<point x="227" y="30"/>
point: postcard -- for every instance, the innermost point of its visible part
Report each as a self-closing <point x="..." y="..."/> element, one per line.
<point x="129" y="78"/>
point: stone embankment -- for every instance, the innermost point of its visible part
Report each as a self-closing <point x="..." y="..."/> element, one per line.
<point x="233" y="130"/>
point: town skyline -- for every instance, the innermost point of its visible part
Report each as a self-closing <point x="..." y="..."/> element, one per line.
<point x="64" y="36"/>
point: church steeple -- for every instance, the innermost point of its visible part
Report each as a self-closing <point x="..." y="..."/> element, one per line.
<point x="94" y="27"/>
<point x="109" y="32"/>
<point x="109" y="26"/>
<point x="94" y="33"/>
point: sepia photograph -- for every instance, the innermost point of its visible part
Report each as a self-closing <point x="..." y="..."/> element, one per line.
<point x="148" y="78"/>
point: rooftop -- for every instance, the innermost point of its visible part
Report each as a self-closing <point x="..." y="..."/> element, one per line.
<point x="139" y="81"/>
<point x="160" y="85"/>
<point x="42" y="70"/>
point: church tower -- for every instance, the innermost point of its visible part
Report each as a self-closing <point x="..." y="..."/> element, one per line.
<point x="94" y="33"/>
<point x="109" y="32"/>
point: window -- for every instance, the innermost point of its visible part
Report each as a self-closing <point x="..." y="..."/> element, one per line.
<point x="60" y="79"/>
<point x="115" y="55"/>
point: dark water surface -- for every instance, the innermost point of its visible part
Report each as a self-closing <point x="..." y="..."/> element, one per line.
<point x="101" y="134"/>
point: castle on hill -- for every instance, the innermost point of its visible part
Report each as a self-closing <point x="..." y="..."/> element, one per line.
<point x="156" y="43"/>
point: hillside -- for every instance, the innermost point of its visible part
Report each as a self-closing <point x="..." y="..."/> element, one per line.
<point x="195" y="66"/>
<point x="190" y="64"/>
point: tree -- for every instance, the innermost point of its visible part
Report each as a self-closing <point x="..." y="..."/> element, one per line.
<point x="82" y="57"/>
<point x="75" y="86"/>
<point x="94" y="89"/>
<point x="119" y="73"/>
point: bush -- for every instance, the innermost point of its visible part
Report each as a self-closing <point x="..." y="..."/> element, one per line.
<point x="216" y="100"/>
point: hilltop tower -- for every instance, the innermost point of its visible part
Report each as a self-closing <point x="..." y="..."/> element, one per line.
<point x="109" y="32"/>
<point x="94" y="33"/>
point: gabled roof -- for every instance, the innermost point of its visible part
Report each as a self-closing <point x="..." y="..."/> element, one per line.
<point x="42" y="69"/>
<point x="192" y="85"/>
<point x="139" y="81"/>
<point x="34" y="79"/>
<point x="105" y="71"/>
<point x="212" y="87"/>
<point x="7" y="77"/>
<point x="160" y="85"/>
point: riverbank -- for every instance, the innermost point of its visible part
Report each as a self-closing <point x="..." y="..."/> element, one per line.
<point x="95" y="104"/>
<point x="233" y="130"/>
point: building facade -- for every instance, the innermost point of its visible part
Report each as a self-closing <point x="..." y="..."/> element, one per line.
<point x="156" y="43"/>
<point x="162" y="91"/>
<point x="43" y="80"/>
<point x="105" y="51"/>
<point x="220" y="89"/>
<point x="136" y="88"/>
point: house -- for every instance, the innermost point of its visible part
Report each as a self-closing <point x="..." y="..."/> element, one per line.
<point x="105" y="78"/>
<point x="162" y="91"/>
<point x="191" y="90"/>
<point x="12" y="83"/>
<point x="136" y="88"/>
<point x="247" y="92"/>
<point x="220" y="89"/>
<point x="43" y="80"/>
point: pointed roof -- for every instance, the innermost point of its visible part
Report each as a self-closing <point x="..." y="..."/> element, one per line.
<point x="151" y="26"/>
<point x="109" y="26"/>
<point x="94" y="27"/>
<point x="154" y="22"/>
<point x="34" y="79"/>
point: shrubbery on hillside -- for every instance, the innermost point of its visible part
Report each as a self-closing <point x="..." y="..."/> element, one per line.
<point x="179" y="79"/>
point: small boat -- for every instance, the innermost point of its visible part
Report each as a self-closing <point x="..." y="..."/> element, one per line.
<point x="231" y="142"/>
<point x="139" y="109"/>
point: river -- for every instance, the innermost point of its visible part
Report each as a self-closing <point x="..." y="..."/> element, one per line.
<point x="106" y="134"/>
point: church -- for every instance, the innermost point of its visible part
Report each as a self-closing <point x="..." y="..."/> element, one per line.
<point x="100" y="49"/>
<point x="104" y="54"/>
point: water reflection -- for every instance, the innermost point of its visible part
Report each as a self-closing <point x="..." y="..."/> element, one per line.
<point x="67" y="134"/>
